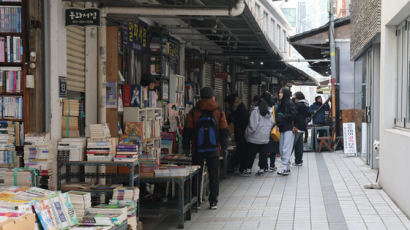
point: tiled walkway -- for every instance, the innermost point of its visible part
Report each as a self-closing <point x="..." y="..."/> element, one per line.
<point x="325" y="193"/>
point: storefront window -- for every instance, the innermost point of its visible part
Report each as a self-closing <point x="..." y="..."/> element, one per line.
<point x="402" y="82"/>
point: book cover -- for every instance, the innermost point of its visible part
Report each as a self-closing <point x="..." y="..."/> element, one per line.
<point x="135" y="95"/>
<point x="111" y="95"/>
<point x="69" y="209"/>
<point x="127" y="96"/>
<point x="134" y="128"/>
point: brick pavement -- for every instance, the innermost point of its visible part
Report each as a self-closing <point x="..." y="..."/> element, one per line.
<point x="325" y="193"/>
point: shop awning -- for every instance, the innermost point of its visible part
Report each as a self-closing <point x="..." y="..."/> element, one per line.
<point x="314" y="44"/>
<point x="236" y="38"/>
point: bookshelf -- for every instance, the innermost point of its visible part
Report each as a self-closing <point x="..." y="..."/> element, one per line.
<point x="14" y="97"/>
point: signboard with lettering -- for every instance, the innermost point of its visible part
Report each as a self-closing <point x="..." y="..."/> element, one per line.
<point x="136" y="35"/>
<point x="349" y="138"/>
<point x="62" y="81"/>
<point x="82" y="17"/>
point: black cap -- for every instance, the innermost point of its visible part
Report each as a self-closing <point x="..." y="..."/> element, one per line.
<point x="207" y="92"/>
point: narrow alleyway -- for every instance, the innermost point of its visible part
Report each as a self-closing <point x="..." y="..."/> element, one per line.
<point x="325" y="193"/>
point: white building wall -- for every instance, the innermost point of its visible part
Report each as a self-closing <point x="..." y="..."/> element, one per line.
<point x="395" y="143"/>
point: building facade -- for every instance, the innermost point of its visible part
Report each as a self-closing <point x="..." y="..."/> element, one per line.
<point x="365" y="52"/>
<point x="394" y="101"/>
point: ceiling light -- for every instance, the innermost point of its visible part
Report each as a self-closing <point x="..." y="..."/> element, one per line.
<point x="261" y="63"/>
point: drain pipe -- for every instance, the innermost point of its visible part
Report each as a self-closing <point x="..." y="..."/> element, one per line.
<point x="175" y="11"/>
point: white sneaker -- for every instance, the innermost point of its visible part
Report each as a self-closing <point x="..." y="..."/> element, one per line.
<point x="260" y="172"/>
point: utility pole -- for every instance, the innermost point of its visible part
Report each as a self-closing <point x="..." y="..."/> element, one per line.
<point x="332" y="57"/>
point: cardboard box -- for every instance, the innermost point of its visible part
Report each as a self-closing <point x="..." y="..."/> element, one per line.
<point x="24" y="222"/>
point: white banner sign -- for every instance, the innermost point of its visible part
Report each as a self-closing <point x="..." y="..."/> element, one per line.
<point x="349" y="138"/>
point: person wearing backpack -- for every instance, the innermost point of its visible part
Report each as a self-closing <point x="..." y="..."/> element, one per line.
<point x="205" y="135"/>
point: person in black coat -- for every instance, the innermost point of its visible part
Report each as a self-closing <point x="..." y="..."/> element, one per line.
<point x="302" y="109"/>
<point x="285" y="117"/>
<point x="239" y="116"/>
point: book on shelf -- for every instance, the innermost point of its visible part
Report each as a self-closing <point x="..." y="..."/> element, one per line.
<point x="10" y="80"/>
<point x="11" y="107"/>
<point x="10" y="18"/>
<point x="11" y="49"/>
<point x="71" y="107"/>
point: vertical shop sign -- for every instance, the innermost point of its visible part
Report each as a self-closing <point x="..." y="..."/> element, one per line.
<point x="349" y="138"/>
<point x="62" y="82"/>
<point x="136" y="35"/>
<point x="111" y="95"/>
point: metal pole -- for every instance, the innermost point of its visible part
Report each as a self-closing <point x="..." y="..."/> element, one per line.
<point x="332" y="56"/>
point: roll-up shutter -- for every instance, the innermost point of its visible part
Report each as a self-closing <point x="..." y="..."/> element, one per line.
<point x="76" y="56"/>
<point x="207" y="75"/>
<point x="219" y="90"/>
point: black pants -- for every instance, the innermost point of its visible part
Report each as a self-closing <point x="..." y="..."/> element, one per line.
<point x="212" y="163"/>
<point x="263" y="150"/>
<point x="299" y="148"/>
<point x="273" y="149"/>
<point x="240" y="153"/>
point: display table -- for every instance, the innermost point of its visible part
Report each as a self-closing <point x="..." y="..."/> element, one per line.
<point x="68" y="175"/>
<point x="186" y="200"/>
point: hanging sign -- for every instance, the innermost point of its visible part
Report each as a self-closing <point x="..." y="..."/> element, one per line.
<point x="136" y="36"/>
<point x="62" y="82"/>
<point x="82" y="17"/>
<point x="349" y="138"/>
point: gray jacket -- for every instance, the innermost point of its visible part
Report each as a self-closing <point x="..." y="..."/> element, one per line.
<point x="259" y="127"/>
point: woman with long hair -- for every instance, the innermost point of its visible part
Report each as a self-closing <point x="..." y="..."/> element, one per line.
<point x="285" y="116"/>
<point x="257" y="134"/>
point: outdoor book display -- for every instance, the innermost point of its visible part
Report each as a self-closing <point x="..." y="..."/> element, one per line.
<point x="35" y="208"/>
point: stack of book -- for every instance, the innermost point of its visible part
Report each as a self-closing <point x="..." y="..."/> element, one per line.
<point x="11" y="107"/>
<point x="10" y="19"/>
<point x="101" y="149"/>
<point x="167" y="142"/>
<point x="99" y="131"/>
<point x="70" y="120"/>
<point x="71" y="149"/>
<point x="126" y="153"/>
<point x="81" y="202"/>
<point x="148" y="165"/>
<point x="11" y="49"/>
<point x="20" y="177"/>
<point x="38" y="155"/>
<point x="105" y="215"/>
<point x="126" y="193"/>
<point x="10" y="79"/>
<point x="7" y="144"/>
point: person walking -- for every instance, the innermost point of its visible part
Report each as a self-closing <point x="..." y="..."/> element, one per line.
<point x="239" y="117"/>
<point x="258" y="134"/>
<point x="300" y="124"/>
<point x="285" y="116"/>
<point x="206" y="135"/>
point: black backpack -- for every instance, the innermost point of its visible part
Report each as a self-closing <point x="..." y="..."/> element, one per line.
<point x="207" y="133"/>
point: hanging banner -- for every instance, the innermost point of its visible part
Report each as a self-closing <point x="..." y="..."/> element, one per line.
<point x="349" y="138"/>
<point x="82" y="17"/>
<point x="136" y="36"/>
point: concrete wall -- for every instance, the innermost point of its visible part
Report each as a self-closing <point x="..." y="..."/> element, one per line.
<point x="395" y="143"/>
<point x="346" y="76"/>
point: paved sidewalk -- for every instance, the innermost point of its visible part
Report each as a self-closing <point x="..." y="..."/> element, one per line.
<point x="325" y="193"/>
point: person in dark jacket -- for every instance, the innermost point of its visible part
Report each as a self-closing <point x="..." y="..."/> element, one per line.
<point x="239" y="117"/>
<point x="285" y="117"/>
<point x="208" y="105"/>
<point x="302" y="112"/>
<point x="318" y="115"/>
